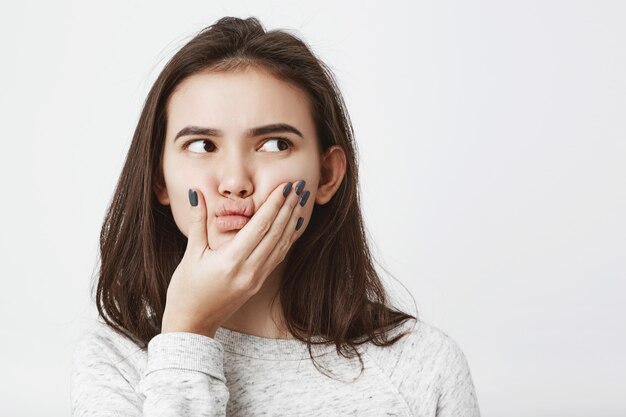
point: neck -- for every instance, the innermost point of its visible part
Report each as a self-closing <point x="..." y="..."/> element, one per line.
<point x="258" y="316"/>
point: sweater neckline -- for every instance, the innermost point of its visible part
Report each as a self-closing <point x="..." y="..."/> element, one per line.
<point x="258" y="347"/>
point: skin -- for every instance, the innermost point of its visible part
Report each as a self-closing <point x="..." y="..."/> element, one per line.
<point x="236" y="167"/>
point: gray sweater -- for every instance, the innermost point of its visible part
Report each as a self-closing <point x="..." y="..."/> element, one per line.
<point x="237" y="374"/>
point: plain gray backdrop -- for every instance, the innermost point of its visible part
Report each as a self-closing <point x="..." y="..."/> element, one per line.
<point x="492" y="145"/>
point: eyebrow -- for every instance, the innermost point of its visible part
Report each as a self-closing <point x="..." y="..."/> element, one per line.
<point x="250" y="133"/>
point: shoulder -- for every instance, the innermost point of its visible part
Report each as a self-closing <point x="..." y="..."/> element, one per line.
<point x="101" y="337"/>
<point x="430" y="343"/>
<point x="429" y="370"/>
<point x="100" y="347"/>
<point x="106" y="370"/>
<point x="425" y="349"/>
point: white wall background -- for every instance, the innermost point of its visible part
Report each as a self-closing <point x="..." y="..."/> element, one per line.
<point x="492" y="138"/>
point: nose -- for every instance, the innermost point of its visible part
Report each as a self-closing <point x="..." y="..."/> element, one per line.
<point x="235" y="177"/>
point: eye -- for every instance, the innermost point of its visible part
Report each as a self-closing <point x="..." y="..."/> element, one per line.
<point x="205" y="145"/>
<point x="282" y="143"/>
<point x="199" y="149"/>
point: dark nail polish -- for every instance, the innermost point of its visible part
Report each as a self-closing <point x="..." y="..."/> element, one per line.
<point x="299" y="224"/>
<point x="300" y="186"/>
<point x="304" y="198"/>
<point x="193" y="197"/>
<point x="287" y="189"/>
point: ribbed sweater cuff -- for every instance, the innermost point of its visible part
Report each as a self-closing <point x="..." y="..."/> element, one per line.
<point x="183" y="350"/>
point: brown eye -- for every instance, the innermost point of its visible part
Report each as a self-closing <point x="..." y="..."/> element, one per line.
<point x="207" y="146"/>
<point x="282" y="144"/>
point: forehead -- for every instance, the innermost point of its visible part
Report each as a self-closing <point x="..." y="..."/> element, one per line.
<point x="236" y="101"/>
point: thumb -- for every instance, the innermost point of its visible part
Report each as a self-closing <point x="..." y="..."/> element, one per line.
<point x="197" y="240"/>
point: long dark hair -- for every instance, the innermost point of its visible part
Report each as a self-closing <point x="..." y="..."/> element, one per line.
<point x="341" y="298"/>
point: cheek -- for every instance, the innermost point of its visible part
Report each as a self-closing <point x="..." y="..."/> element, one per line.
<point x="293" y="169"/>
<point x="178" y="183"/>
<point x="180" y="177"/>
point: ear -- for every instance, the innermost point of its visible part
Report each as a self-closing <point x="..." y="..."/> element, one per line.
<point x="333" y="169"/>
<point x="161" y="194"/>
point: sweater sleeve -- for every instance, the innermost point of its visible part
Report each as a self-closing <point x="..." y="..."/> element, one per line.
<point x="457" y="395"/>
<point x="184" y="376"/>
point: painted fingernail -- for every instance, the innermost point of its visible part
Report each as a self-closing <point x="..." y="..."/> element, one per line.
<point x="193" y="197"/>
<point x="300" y="186"/>
<point x="304" y="198"/>
<point x="287" y="189"/>
<point x="299" y="224"/>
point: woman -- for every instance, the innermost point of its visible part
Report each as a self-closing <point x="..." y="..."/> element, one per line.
<point x="234" y="259"/>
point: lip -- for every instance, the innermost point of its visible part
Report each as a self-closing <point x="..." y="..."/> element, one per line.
<point x="238" y="208"/>
<point x="226" y="223"/>
<point x="233" y="214"/>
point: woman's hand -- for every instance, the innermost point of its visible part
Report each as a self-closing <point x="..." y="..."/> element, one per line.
<point x="208" y="286"/>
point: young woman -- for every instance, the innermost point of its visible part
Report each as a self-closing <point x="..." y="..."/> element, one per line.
<point x="234" y="260"/>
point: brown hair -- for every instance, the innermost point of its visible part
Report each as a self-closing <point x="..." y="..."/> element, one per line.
<point x="342" y="298"/>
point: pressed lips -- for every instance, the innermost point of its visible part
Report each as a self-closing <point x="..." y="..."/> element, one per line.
<point x="232" y="215"/>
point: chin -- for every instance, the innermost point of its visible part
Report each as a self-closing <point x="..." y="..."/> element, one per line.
<point x="221" y="238"/>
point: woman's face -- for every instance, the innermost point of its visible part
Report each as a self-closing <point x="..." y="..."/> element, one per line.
<point x="230" y="164"/>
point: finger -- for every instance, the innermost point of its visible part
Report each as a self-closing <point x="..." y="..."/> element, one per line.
<point x="251" y="234"/>
<point x="197" y="241"/>
<point x="287" y="238"/>
<point x="272" y="239"/>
